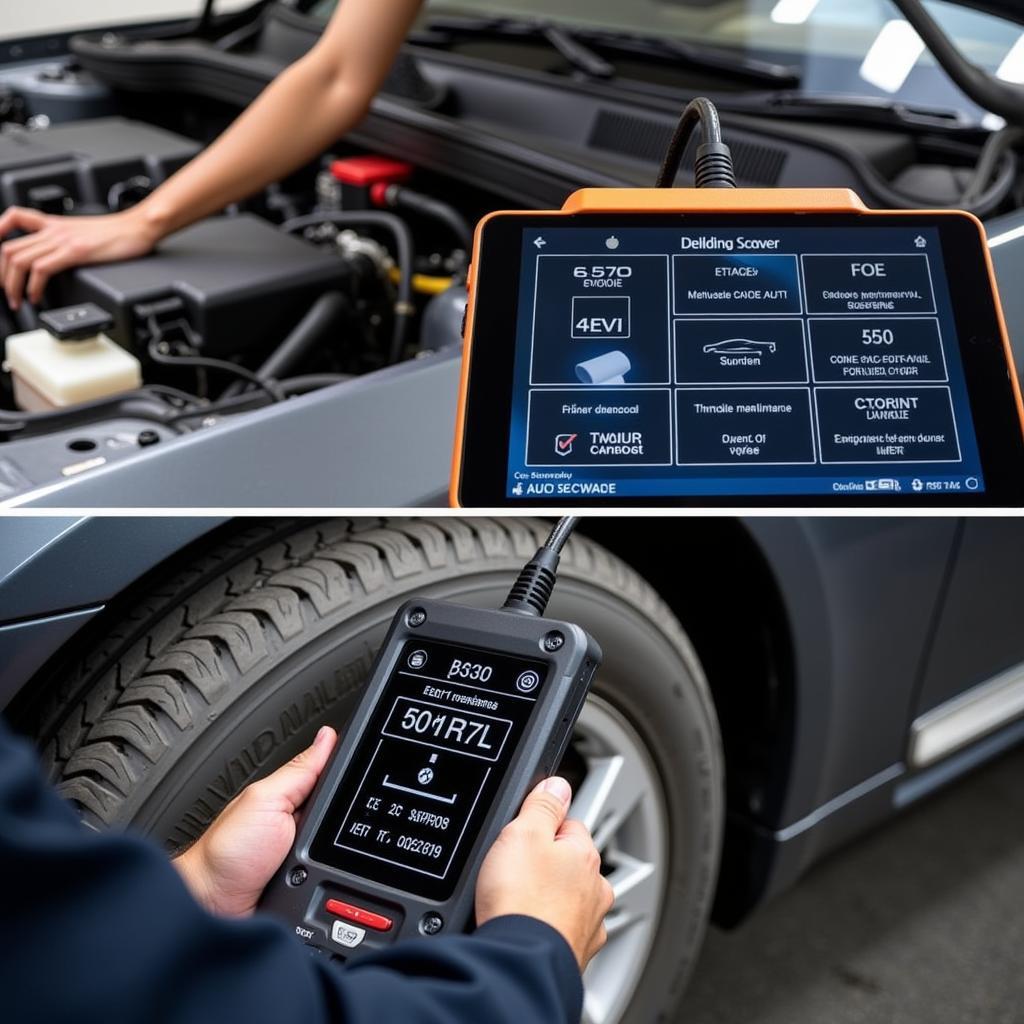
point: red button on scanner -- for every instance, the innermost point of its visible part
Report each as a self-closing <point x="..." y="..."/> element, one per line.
<point x="358" y="915"/>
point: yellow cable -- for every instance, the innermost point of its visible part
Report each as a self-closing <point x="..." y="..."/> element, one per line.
<point x="425" y="284"/>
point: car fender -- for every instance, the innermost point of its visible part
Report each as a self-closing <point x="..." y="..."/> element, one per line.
<point x="56" y="573"/>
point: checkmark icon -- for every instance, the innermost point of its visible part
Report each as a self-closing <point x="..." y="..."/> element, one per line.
<point x="563" y="443"/>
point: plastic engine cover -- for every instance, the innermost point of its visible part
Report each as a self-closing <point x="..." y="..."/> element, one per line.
<point x="86" y="158"/>
<point x="243" y="282"/>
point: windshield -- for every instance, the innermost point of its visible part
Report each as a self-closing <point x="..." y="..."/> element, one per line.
<point x="841" y="48"/>
<point x="38" y="17"/>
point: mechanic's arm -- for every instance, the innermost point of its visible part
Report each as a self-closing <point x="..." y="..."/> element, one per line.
<point x="307" y="107"/>
<point x="100" y="927"/>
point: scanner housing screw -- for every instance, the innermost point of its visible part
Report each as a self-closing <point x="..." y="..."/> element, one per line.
<point x="553" y="641"/>
<point x="297" y="876"/>
<point x="416" y="617"/>
<point x="431" y="924"/>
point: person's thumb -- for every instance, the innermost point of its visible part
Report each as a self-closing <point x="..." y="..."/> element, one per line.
<point x="295" y="780"/>
<point x="546" y="807"/>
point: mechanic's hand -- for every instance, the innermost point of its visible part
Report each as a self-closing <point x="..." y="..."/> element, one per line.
<point x="229" y="867"/>
<point x="56" y="243"/>
<point x="547" y="867"/>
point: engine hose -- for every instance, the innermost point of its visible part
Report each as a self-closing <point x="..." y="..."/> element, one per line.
<point x="999" y="143"/>
<point x="321" y="318"/>
<point x="1004" y="98"/>
<point x="401" y="198"/>
<point x="404" y="306"/>
<point x="311" y="382"/>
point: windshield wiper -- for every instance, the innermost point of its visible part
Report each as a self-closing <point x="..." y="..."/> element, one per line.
<point x="575" y="52"/>
<point x="443" y="31"/>
<point x="578" y="47"/>
<point x="859" y="109"/>
<point x="708" y="58"/>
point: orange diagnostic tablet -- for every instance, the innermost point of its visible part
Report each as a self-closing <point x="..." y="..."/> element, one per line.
<point x="648" y="347"/>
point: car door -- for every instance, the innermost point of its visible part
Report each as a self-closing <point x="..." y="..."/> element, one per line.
<point x="973" y="682"/>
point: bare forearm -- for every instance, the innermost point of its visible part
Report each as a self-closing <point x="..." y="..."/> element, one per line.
<point x="296" y="117"/>
<point x="317" y="100"/>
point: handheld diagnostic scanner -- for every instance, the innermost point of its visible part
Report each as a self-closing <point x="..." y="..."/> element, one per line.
<point x="727" y="346"/>
<point x="465" y="710"/>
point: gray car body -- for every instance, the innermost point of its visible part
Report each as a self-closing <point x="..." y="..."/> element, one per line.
<point x="885" y="619"/>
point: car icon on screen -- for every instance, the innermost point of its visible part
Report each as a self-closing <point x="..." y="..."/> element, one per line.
<point x="740" y="347"/>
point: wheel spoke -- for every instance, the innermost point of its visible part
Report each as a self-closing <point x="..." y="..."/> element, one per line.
<point x="618" y="800"/>
<point x="611" y="790"/>
<point x="635" y="885"/>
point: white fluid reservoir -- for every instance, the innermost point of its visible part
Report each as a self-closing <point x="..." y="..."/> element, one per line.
<point x="51" y="374"/>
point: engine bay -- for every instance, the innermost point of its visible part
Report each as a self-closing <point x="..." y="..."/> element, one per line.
<point x="296" y="292"/>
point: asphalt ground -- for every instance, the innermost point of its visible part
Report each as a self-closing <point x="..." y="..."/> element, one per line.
<point x="920" y="922"/>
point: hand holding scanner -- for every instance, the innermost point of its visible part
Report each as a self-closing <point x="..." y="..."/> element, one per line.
<point x="466" y="709"/>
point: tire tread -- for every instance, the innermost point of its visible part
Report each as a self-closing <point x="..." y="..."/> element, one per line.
<point x="163" y="670"/>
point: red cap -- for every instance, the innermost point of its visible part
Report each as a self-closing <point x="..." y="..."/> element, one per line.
<point x="379" y="193"/>
<point x="370" y="170"/>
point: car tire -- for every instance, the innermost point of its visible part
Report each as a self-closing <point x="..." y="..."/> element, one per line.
<point x="227" y="669"/>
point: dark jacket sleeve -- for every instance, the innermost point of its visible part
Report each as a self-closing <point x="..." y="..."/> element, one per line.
<point x="100" y="928"/>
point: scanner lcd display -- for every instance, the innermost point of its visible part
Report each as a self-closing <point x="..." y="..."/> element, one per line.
<point x="755" y="358"/>
<point x="737" y="361"/>
<point x="428" y="765"/>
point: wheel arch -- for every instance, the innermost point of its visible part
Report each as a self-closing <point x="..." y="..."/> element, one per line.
<point x="152" y="556"/>
<point x="749" y="655"/>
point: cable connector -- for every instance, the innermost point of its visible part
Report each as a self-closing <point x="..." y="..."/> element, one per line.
<point x="536" y="580"/>
<point x="713" y="166"/>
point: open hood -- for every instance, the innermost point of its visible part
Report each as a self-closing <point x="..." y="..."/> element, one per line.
<point x="1011" y="9"/>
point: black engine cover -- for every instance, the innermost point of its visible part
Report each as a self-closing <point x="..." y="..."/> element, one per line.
<point x="86" y="158"/>
<point x="243" y="282"/>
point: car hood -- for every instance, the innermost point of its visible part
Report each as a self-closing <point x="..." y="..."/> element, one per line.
<point x="1011" y="9"/>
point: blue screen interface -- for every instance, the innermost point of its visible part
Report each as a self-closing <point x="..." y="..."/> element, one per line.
<point x="676" y="361"/>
